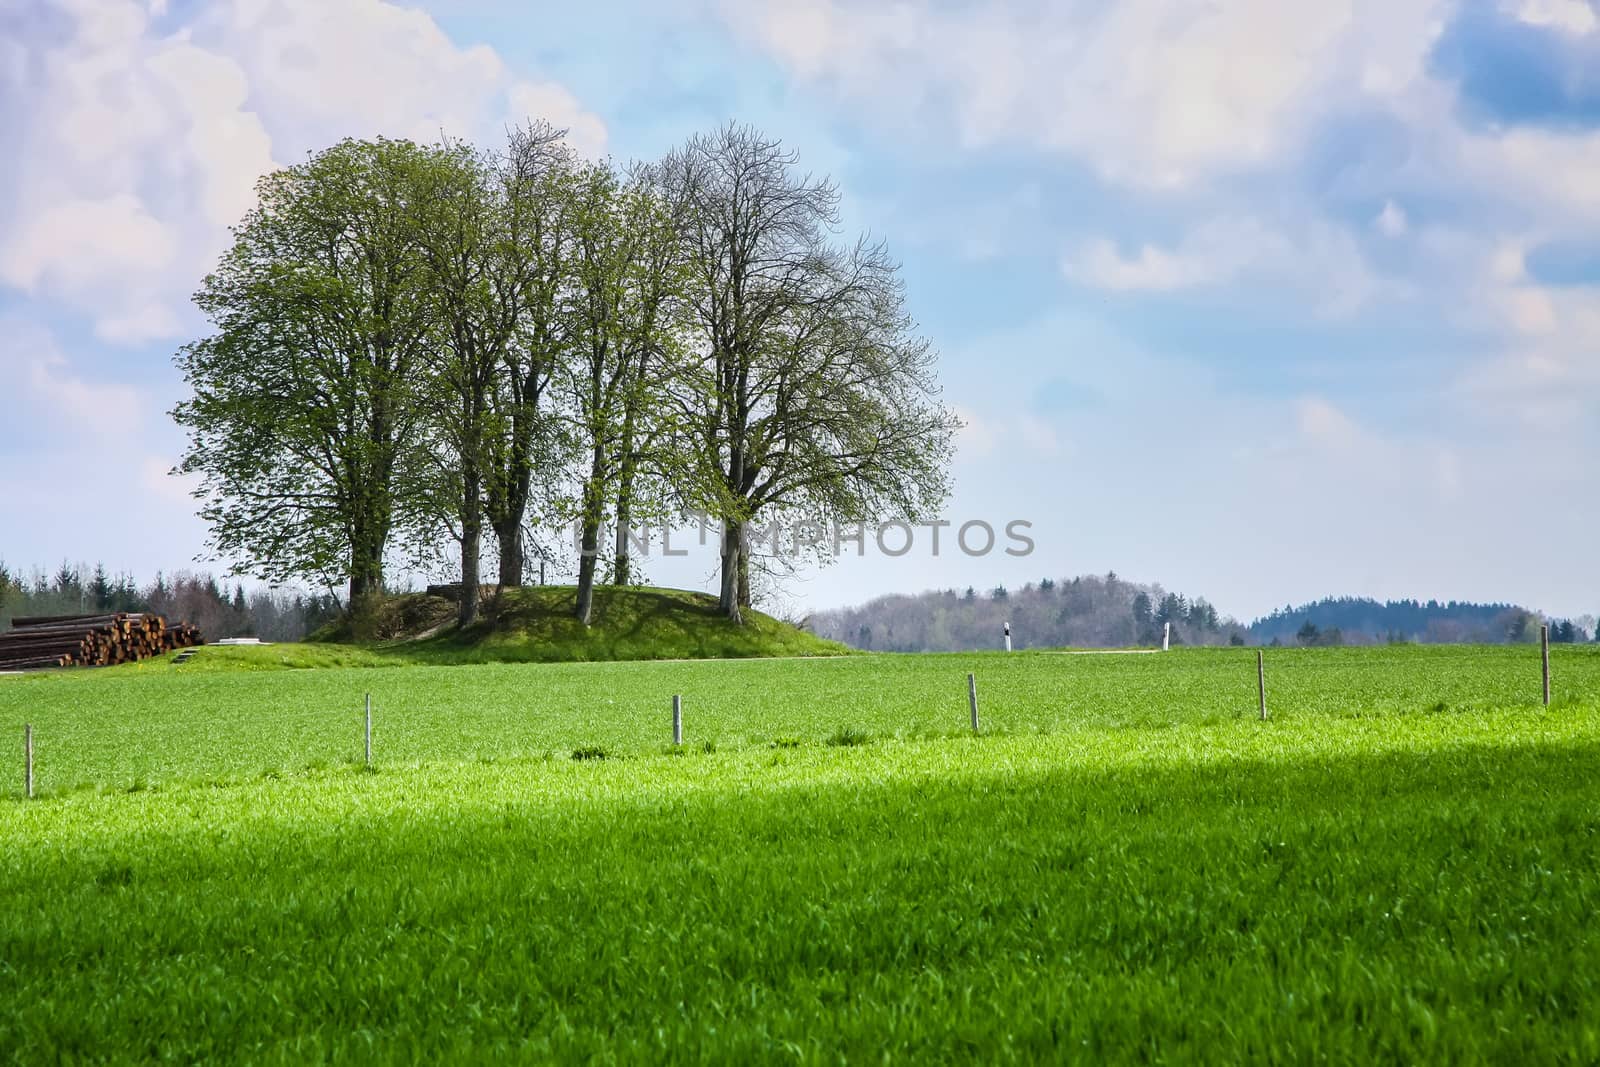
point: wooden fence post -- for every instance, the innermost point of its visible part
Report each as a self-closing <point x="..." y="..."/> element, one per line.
<point x="1544" y="655"/>
<point x="1261" y="684"/>
<point x="972" y="699"/>
<point x="27" y="758"/>
<point x="369" y="731"/>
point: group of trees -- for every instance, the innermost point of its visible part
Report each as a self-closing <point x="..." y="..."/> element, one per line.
<point x="1086" y="612"/>
<point x="421" y="349"/>
<point x="1107" y="612"/>
<point x="1361" y="620"/>
<point x="270" y="614"/>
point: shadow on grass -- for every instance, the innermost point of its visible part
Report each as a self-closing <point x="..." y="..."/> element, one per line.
<point x="1323" y="908"/>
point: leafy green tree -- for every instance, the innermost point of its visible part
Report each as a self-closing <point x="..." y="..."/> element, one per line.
<point x="650" y="335"/>
<point x="531" y="183"/>
<point x="485" y="265"/>
<point x="305" y="396"/>
<point x="625" y="288"/>
<point x="813" y="395"/>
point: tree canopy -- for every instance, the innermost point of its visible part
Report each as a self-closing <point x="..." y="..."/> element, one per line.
<point x="419" y="346"/>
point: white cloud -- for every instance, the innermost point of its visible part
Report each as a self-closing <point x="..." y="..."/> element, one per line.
<point x="135" y="148"/>
<point x="132" y="155"/>
<point x="1150" y="92"/>
<point x="1546" y="372"/>
<point x="1573" y="16"/>
<point x="1321" y="422"/>
<point x="1391" y="221"/>
<point x="1214" y="252"/>
<point x="61" y="401"/>
<point x="1101" y="264"/>
<point x="1554" y="173"/>
<point x="153" y="322"/>
<point x="82" y="245"/>
<point x="1316" y="258"/>
<point x="553" y="103"/>
<point x="325" y="70"/>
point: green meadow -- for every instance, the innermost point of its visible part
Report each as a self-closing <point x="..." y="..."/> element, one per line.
<point x="1402" y="864"/>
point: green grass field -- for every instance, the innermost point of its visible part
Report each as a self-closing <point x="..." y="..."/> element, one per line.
<point x="1403" y="864"/>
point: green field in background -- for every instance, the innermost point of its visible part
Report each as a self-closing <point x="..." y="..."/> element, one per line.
<point x="228" y="714"/>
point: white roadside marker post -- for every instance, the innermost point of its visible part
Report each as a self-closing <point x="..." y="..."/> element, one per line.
<point x="1008" y="637"/>
<point x="1166" y="637"/>
<point x="677" y="720"/>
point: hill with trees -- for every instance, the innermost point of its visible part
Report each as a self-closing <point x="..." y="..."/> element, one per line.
<point x="1108" y="612"/>
<point x="430" y="351"/>
<point x="1086" y="612"/>
<point x="528" y="624"/>
<point x="1361" y="620"/>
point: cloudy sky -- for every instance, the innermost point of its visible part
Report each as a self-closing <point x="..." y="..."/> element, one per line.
<point x="1261" y="300"/>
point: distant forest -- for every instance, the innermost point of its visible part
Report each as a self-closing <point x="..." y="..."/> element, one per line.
<point x="1108" y="612"/>
<point x="1358" y="620"/>
<point x="270" y="614"/>
<point x="1088" y="612"/>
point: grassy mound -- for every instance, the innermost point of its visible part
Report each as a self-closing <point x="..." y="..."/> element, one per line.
<point x="536" y="625"/>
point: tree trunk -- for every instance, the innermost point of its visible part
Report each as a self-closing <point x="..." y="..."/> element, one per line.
<point x="366" y="585"/>
<point x="471" y="547"/>
<point x="744" y="576"/>
<point x="362" y="586"/>
<point x="624" y="575"/>
<point x="510" y="483"/>
<point x="732" y="556"/>
<point x="590" y="548"/>
<point x="513" y="559"/>
<point x="366" y="563"/>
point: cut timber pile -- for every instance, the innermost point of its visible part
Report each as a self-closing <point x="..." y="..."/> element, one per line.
<point x="90" y="640"/>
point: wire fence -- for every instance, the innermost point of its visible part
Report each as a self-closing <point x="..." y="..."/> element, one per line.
<point x="132" y="732"/>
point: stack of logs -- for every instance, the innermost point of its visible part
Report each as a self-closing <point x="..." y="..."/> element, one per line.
<point x="96" y="640"/>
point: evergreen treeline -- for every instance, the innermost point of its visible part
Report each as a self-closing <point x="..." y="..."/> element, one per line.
<point x="1361" y="620"/>
<point x="270" y="614"/>
<point x="1085" y="612"/>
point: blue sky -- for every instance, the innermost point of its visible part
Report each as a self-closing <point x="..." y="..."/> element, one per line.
<point x="1263" y="301"/>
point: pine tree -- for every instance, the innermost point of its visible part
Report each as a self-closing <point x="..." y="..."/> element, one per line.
<point x="100" y="589"/>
